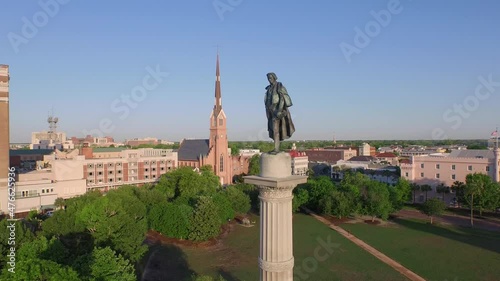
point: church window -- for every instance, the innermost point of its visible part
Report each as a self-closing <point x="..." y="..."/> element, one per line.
<point x="221" y="122"/>
<point x="222" y="163"/>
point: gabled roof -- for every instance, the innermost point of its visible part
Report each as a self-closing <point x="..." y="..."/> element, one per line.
<point x="363" y="159"/>
<point x="386" y="155"/>
<point x="191" y="150"/>
<point x="472" y="153"/>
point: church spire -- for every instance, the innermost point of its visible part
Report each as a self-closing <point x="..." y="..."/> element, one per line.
<point x="218" y="98"/>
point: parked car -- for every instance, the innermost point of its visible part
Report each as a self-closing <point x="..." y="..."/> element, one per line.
<point x="49" y="213"/>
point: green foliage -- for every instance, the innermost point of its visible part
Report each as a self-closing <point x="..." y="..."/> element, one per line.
<point x="23" y="235"/>
<point x="433" y="207"/>
<point x="41" y="259"/>
<point x="300" y="198"/>
<point x="172" y="220"/>
<point x="240" y="202"/>
<point x="254" y="165"/>
<point x="106" y="265"/>
<point x="118" y="219"/>
<point x="252" y="192"/>
<point x="205" y="223"/>
<point x="59" y="203"/>
<point x="224" y="206"/>
<point x="187" y="183"/>
<point x="375" y="200"/>
<point x="399" y="194"/>
<point x="318" y="188"/>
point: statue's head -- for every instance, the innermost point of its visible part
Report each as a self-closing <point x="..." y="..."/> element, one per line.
<point x="272" y="78"/>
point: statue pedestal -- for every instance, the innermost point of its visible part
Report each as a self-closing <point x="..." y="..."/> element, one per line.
<point x="275" y="184"/>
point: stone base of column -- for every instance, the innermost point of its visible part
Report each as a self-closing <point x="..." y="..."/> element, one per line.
<point x="275" y="184"/>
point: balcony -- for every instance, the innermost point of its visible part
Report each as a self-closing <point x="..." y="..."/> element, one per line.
<point x="20" y="195"/>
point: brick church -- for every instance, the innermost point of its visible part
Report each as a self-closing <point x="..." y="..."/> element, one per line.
<point x="213" y="151"/>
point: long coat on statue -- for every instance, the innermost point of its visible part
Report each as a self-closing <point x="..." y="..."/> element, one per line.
<point x="277" y="102"/>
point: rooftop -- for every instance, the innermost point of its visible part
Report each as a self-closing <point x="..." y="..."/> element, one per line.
<point x="18" y="152"/>
<point x="192" y="149"/>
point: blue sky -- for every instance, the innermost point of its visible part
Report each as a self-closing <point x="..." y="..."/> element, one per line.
<point x="401" y="84"/>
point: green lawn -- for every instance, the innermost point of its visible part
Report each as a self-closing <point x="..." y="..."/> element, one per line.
<point x="435" y="252"/>
<point x="236" y="257"/>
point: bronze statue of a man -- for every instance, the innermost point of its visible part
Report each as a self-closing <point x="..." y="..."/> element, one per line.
<point x="279" y="120"/>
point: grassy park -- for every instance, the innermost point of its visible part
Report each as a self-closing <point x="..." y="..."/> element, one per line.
<point x="435" y="252"/>
<point x="235" y="256"/>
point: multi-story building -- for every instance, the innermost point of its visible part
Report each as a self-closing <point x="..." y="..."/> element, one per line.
<point x="147" y="141"/>
<point x="366" y="150"/>
<point x="300" y="162"/>
<point x="446" y="168"/>
<point x="131" y="166"/>
<point x="249" y="152"/>
<point x="331" y="156"/>
<point x="4" y="136"/>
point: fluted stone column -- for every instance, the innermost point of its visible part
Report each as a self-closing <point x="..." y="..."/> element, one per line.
<point x="275" y="184"/>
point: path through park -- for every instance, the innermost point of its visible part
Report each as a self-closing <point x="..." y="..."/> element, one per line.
<point x="392" y="263"/>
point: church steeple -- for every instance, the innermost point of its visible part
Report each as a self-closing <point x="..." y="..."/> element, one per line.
<point x="218" y="98"/>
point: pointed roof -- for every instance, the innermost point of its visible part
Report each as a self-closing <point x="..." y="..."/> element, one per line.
<point x="218" y="95"/>
<point x="193" y="149"/>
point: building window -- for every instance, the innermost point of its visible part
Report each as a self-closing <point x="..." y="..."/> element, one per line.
<point x="110" y="172"/>
<point x="119" y="179"/>
<point x="110" y="165"/>
<point x="422" y="165"/>
<point x="43" y="191"/>
<point x="162" y="169"/>
<point x="110" y="180"/>
<point x="453" y="177"/>
<point x="437" y="166"/>
<point x="119" y="171"/>
<point x="146" y="177"/>
<point x="91" y="173"/>
<point x="469" y="167"/>
<point x="421" y="175"/>
<point x="437" y="176"/>
<point x="453" y="167"/>
<point x="146" y="163"/>
<point x="221" y="122"/>
<point x="153" y="162"/>
<point x="222" y="163"/>
<point x="487" y="168"/>
<point x="90" y="166"/>
<point x="51" y="190"/>
<point x="99" y="173"/>
<point x="154" y="176"/>
<point x="118" y="164"/>
<point x="99" y="165"/>
<point x="146" y="169"/>
<point x="162" y="162"/>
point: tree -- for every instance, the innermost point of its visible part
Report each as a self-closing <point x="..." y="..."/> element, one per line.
<point x="399" y="194"/>
<point x="184" y="182"/>
<point x="106" y="265"/>
<point x="425" y="188"/>
<point x="59" y="203"/>
<point x="252" y="192"/>
<point x="414" y="187"/>
<point x="375" y="200"/>
<point x="205" y="223"/>
<point x="475" y="184"/>
<point x="226" y="211"/>
<point x="433" y="207"/>
<point x="22" y="235"/>
<point x="443" y="189"/>
<point x="318" y="188"/>
<point x="337" y="203"/>
<point x="171" y="219"/>
<point x="300" y="198"/>
<point x="240" y="202"/>
<point x="459" y="187"/>
<point x="254" y="165"/>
